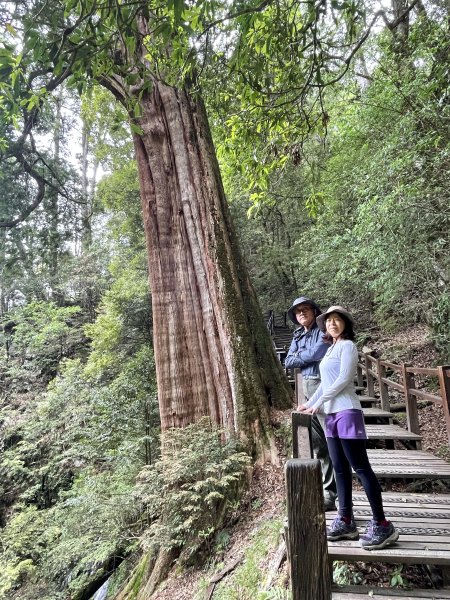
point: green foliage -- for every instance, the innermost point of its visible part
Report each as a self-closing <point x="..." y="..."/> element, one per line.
<point x="87" y="528"/>
<point x="247" y="580"/>
<point x="192" y="487"/>
<point x="376" y="189"/>
<point x="275" y="593"/>
<point x="344" y="574"/>
<point x="441" y="325"/>
<point x="43" y="334"/>
<point x="397" y="579"/>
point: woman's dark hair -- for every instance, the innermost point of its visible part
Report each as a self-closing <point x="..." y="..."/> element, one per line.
<point x="347" y="334"/>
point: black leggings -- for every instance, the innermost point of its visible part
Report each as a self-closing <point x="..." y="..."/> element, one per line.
<point x="346" y="454"/>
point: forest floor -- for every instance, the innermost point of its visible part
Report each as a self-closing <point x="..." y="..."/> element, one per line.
<point x="265" y="501"/>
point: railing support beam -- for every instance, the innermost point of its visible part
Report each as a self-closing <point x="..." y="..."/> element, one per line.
<point x="308" y="550"/>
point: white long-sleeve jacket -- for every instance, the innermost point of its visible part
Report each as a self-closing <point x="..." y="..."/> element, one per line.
<point x="337" y="373"/>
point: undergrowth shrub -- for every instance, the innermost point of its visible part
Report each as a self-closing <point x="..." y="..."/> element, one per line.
<point x="441" y="326"/>
<point x="190" y="489"/>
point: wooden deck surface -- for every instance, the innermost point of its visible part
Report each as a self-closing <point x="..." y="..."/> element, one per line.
<point x="423" y="521"/>
<point x="391" y="432"/>
<point x="368" y="401"/>
<point x="375" y="593"/>
<point x="408" y="464"/>
<point x="373" y="412"/>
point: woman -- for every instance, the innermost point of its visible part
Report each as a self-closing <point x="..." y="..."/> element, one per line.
<point x="345" y="432"/>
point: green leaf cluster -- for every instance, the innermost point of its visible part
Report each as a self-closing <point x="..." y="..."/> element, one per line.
<point x="191" y="488"/>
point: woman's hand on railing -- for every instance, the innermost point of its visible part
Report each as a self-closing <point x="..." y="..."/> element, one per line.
<point x="311" y="410"/>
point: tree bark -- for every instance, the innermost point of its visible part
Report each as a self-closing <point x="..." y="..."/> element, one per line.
<point x="212" y="351"/>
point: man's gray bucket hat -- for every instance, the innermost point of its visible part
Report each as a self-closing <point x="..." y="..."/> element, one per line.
<point x="302" y="300"/>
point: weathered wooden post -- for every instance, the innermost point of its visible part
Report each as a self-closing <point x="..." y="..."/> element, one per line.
<point x="307" y="543"/>
<point x="444" y="384"/>
<point x="301" y="435"/>
<point x="412" y="416"/>
<point x="369" y="376"/>
<point x="298" y="383"/>
<point x="384" y="392"/>
<point x="359" y="373"/>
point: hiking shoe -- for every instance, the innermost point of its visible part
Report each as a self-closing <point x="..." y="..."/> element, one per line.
<point x="340" y="530"/>
<point x="378" y="536"/>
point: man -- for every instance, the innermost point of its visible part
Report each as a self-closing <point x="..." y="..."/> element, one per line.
<point x="306" y="351"/>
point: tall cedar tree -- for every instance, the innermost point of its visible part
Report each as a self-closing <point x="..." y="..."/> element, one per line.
<point x="213" y="354"/>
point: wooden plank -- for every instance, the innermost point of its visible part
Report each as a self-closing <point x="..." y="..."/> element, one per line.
<point x="423" y="522"/>
<point x="391" y="365"/>
<point x="408" y="464"/>
<point x="353" y="592"/>
<point x="431" y="371"/>
<point x="406" y="498"/>
<point x="426" y="396"/>
<point x="379" y="413"/>
<point x="392" y="554"/>
<point x="390" y="432"/>
<point x="392" y="384"/>
<point x="368" y="400"/>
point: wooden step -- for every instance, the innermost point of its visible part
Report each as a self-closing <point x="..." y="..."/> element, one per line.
<point x="383" y="416"/>
<point x="423" y="521"/>
<point x="367" y="401"/>
<point x="357" y="592"/>
<point x="392" y="433"/>
<point x="408" y="464"/>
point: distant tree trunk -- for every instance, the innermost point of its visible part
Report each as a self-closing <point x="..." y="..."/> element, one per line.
<point x="89" y="298"/>
<point x="3" y="300"/>
<point x="212" y="351"/>
<point x="401" y="32"/>
<point x="86" y="231"/>
<point x="51" y="205"/>
<point x="88" y="188"/>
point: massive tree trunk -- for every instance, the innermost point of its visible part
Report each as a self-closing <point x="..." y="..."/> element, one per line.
<point x="212" y="351"/>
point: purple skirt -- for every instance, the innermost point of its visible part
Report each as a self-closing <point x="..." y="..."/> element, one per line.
<point x="346" y="424"/>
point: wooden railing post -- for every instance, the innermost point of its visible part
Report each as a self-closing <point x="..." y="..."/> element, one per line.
<point x="444" y="384"/>
<point x="270" y="322"/>
<point x="301" y="435"/>
<point x="308" y="551"/>
<point x="298" y="382"/>
<point x="384" y="392"/>
<point x="412" y="415"/>
<point x="359" y="375"/>
<point x="369" y="376"/>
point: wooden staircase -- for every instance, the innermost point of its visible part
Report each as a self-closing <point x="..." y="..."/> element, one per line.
<point x="395" y="453"/>
<point x="389" y="442"/>
<point x="281" y="333"/>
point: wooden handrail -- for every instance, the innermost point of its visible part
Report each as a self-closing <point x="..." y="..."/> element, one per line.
<point x="392" y="366"/>
<point x="407" y="386"/>
<point x="393" y="384"/>
<point x="426" y="396"/>
<point x="433" y="372"/>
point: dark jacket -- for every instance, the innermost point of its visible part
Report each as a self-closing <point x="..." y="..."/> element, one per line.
<point x="306" y="351"/>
